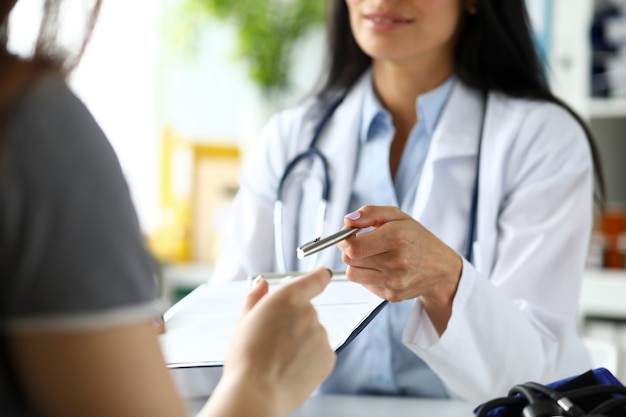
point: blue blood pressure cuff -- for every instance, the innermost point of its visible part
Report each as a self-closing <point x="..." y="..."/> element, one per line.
<point x="594" y="393"/>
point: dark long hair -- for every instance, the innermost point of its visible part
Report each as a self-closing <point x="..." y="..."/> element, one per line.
<point x="494" y="52"/>
<point x="18" y="73"/>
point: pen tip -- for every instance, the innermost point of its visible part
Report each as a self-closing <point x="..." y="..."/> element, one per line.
<point x="300" y="253"/>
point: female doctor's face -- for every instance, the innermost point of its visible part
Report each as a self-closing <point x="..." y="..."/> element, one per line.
<point x="406" y="30"/>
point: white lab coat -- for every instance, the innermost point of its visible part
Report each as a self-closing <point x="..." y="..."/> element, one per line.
<point x="514" y="313"/>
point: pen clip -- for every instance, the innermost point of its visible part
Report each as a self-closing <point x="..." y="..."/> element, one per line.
<point x="319" y="243"/>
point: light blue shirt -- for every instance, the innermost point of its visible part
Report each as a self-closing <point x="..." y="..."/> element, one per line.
<point x="376" y="361"/>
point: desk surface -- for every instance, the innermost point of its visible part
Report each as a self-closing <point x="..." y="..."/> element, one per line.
<point x="371" y="406"/>
<point x="366" y="406"/>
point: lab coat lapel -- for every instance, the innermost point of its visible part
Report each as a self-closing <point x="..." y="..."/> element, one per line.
<point x="456" y="136"/>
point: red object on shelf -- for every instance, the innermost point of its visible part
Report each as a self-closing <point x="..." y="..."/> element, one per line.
<point x="613" y="225"/>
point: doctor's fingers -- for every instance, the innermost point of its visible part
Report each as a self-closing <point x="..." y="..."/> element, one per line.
<point x="374" y="216"/>
<point x="433" y="272"/>
<point x="388" y="238"/>
<point x="410" y="271"/>
<point x="379" y="283"/>
<point x="377" y="217"/>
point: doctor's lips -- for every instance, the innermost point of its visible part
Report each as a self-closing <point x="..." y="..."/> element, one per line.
<point x="386" y="20"/>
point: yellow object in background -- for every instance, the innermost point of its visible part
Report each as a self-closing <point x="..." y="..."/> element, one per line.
<point x="198" y="180"/>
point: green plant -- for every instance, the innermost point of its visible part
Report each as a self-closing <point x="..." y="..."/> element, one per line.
<point x="267" y="31"/>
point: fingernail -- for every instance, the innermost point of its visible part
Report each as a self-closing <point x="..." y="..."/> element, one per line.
<point x="257" y="281"/>
<point x="355" y="215"/>
<point x="159" y="325"/>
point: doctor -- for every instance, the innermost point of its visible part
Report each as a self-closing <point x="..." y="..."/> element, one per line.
<point x="436" y="127"/>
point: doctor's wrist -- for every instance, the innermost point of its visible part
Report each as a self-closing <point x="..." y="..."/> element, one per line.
<point x="438" y="303"/>
<point x="446" y="281"/>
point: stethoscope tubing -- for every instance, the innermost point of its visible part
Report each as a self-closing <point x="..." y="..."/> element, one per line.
<point x="311" y="153"/>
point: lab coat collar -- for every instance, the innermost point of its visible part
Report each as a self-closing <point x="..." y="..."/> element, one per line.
<point x="457" y="132"/>
<point x="428" y="106"/>
<point x="456" y="135"/>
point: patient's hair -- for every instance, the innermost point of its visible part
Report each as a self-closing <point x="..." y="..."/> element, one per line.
<point x="19" y="70"/>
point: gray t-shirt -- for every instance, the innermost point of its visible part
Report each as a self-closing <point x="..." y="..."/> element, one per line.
<point x="71" y="251"/>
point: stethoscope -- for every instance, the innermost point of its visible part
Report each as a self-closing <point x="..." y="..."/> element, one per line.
<point x="312" y="153"/>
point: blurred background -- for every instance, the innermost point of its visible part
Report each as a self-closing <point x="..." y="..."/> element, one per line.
<point x="182" y="88"/>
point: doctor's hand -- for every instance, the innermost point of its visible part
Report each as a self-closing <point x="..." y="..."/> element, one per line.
<point x="400" y="259"/>
<point x="279" y="352"/>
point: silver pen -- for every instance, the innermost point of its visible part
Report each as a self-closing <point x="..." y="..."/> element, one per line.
<point x="319" y="243"/>
<point x="273" y="277"/>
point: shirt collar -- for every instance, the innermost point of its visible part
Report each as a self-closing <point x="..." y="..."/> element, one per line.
<point x="428" y="105"/>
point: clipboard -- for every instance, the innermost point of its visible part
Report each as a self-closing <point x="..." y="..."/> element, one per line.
<point x="198" y="329"/>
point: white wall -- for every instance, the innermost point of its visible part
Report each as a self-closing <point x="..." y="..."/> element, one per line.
<point x="117" y="81"/>
<point x="134" y="89"/>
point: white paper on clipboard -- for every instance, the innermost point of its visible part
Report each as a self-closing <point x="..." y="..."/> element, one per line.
<point x="200" y="326"/>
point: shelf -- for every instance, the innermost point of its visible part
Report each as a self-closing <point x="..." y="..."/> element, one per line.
<point x="180" y="278"/>
<point x="604" y="294"/>
<point x="607" y="107"/>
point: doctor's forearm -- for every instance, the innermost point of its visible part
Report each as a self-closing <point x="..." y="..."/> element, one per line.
<point x="439" y="314"/>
